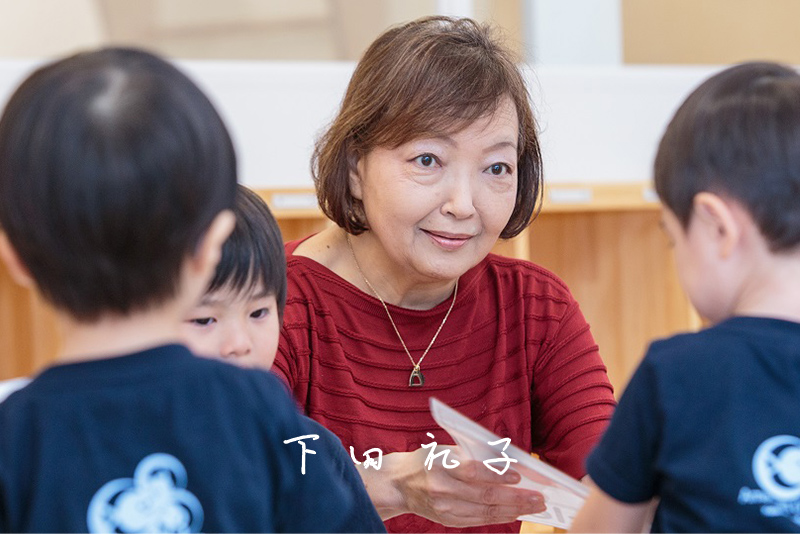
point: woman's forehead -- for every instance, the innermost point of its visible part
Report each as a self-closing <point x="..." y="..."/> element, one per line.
<point x="499" y="125"/>
<point x="408" y="128"/>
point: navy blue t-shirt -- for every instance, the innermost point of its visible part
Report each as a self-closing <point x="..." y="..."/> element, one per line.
<point x="330" y="447"/>
<point x="710" y="423"/>
<point x="164" y="441"/>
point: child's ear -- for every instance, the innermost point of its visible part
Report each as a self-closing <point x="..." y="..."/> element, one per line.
<point x="18" y="271"/>
<point x="718" y="221"/>
<point x="209" y="250"/>
<point x="356" y="165"/>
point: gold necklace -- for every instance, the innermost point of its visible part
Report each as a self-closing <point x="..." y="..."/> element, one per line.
<point x="417" y="379"/>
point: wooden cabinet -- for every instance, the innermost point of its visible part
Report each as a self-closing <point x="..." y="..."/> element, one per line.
<point x="604" y="241"/>
<point x="28" y="337"/>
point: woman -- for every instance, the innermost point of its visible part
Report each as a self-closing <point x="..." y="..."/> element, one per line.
<point x="432" y="158"/>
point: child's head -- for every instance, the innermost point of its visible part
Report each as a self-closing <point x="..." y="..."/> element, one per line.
<point x="729" y="162"/>
<point x="114" y="166"/>
<point x="239" y="317"/>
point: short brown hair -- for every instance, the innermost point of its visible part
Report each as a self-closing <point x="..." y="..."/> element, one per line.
<point x="431" y="76"/>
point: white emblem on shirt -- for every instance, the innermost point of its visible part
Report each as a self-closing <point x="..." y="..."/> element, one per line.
<point x="776" y="468"/>
<point x="154" y="500"/>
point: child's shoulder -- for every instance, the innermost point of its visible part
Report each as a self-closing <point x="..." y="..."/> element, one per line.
<point x="257" y="385"/>
<point x="7" y="387"/>
<point x="153" y="371"/>
<point x="726" y="342"/>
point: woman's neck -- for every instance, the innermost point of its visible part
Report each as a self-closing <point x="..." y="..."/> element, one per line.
<point x="362" y="260"/>
<point x="391" y="283"/>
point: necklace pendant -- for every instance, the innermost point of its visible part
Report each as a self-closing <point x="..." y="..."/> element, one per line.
<point x="420" y="379"/>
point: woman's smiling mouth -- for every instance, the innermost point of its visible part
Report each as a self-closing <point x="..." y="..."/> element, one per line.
<point x="448" y="241"/>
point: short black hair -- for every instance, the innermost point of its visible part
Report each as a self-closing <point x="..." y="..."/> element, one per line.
<point x="738" y="136"/>
<point x="253" y="254"/>
<point x="113" y="164"/>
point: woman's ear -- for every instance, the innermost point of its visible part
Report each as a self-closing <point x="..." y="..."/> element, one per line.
<point x="718" y="222"/>
<point x="18" y="271"/>
<point x="356" y="165"/>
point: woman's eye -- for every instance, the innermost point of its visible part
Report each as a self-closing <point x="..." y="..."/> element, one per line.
<point x="260" y="313"/>
<point x="426" y="160"/>
<point x="203" y="321"/>
<point x="499" y="168"/>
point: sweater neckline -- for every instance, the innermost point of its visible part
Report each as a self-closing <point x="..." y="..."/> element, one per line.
<point x="466" y="283"/>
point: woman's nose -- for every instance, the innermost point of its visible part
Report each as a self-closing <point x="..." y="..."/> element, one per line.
<point x="459" y="201"/>
<point x="235" y="342"/>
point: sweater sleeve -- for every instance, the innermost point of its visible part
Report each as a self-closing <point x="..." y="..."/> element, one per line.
<point x="572" y="398"/>
<point x="293" y="324"/>
<point x="293" y="345"/>
<point x="284" y="366"/>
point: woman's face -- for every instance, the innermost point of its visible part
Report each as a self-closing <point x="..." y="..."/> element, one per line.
<point x="436" y="206"/>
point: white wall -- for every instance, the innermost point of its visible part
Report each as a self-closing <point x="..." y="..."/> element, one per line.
<point x="48" y="27"/>
<point x="573" y="32"/>
<point x="598" y="124"/>
<point x="603" y="124"/>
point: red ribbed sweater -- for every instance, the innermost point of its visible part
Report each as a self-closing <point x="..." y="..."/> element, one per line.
<point x="515" y="355"/>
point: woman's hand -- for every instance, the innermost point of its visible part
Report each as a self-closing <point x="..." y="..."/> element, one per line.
<point x="468" y="495"/>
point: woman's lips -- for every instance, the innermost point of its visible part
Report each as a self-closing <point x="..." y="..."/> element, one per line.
<point x="447" y="240"/>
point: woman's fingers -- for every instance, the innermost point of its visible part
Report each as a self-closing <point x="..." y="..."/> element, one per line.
<point x="468" y="495"/>
<point x="471" y="497"/>
<point x="460" y="513"/>
<point x="473" y="471"/>
<point x="492" y="494"/>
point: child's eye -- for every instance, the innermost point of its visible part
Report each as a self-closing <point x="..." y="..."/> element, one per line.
<point x="426" y="160"/>
<point x="260" y="313"/>
<point x="203" y="321"/>
<point x="498" y="169"/>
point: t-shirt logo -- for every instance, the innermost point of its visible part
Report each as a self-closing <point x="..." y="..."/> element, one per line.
<point x="154" y="500"/>
<point x="776" y="468"/>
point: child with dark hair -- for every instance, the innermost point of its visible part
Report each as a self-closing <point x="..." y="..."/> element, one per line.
<point x="239" y="319"/>
<point x="709" y="423"/>
<point x="116" y="180"/>
<point x="239" y="316"/>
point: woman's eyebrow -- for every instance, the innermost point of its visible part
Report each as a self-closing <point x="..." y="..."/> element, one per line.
<point x="502" y="144"/>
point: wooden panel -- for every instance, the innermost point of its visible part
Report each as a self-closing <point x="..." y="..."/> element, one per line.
<point x="619" y="268"/>
<point x="28" y="333"/>
<point x="292" y="229"/>
<point x="712" y="32"/>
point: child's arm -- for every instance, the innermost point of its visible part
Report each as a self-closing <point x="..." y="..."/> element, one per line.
<point x="603" y="513"/>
